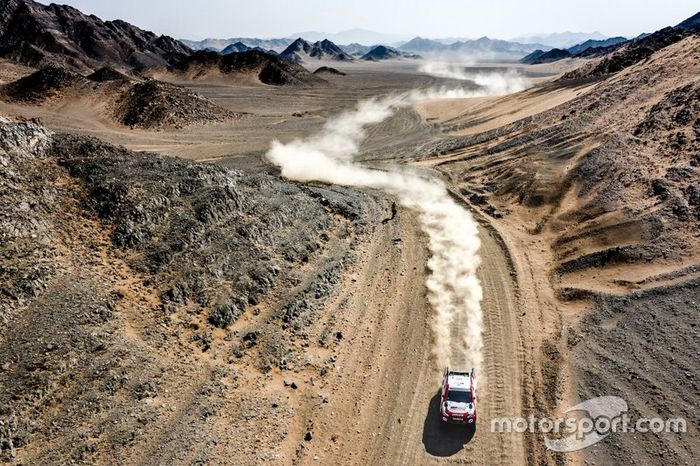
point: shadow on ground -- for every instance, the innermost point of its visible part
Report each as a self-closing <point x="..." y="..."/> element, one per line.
<point x="442" y="439"/>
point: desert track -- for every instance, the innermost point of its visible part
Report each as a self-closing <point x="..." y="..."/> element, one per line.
<point x="420" y="438"/>
<point x="385" y="390"/>
<point x="392" y="378"/>
<point x="397" y="396"/>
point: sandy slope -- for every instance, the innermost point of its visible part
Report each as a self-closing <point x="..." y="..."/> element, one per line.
<point x="591" y="186"/>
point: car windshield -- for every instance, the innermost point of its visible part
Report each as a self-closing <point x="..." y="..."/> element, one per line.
<point x="459" y="396"/>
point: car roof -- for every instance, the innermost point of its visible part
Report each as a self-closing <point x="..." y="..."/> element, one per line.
<point x="459" y="380"/>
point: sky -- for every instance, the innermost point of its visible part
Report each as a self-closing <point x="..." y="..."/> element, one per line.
<point x="504" y="19"/>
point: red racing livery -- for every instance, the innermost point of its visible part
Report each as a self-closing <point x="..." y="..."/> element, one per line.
<point x="458" y="397"/>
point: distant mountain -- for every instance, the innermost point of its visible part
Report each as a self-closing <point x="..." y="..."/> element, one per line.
<point x="492" y="48"/>
<point x="532" y="57"/>
<point x="546" y="57"/>
<point x="589" y="48"/>
<point x="419" y="44"/>
<point x="34" y="34"/>
<point x="483" y="47"/>
<point x="301" y="50"/>
<point x="220" y="44"/>
<point x="268" y="69"/>
<point x="560" y="39"/>
<point x="617" y="52"/>
<point x="591" y="43"/>
<point x="235" y="47"/>
<point x="381" y="52"/>
<point x="691" y="23"/>
<point x="355" y="49"/>
<point x="241" y="47"/>
<point x="360" y="36"/>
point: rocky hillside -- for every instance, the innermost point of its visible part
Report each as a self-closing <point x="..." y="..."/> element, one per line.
<point x="263" y="67"/>
<point x="35" y="34"/>
<point x="301" y="51"/>
<point x="49" y="83"/>
<point x="144" y="297"/>
<point x="628" y="54"/>
<point x="591" y="43"/>
<point x="691" y="23"/>
<point x="540" y="56"/>
<point x="148" y="105"/>
<point x="155" y="104"/>
<point x="589" y="48"/>
<point x="615" y="53"/>
<point x="328" y="70"/>
<point x="606" y="188"/>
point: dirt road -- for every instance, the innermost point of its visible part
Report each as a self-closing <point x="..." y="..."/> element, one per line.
<point x="421" y="438"/>
<point x="389" y="381"/>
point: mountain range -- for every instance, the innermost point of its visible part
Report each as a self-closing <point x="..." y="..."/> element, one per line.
<point x="220" y="44"/>
<point x="483" y="47"/>
<point x="560" y="39"/>
<point x="583" y="49"/>
<point x="356" y="50"/>
<point x="361" y="36"/>
<point x="266" y="68"/>
<point x="592" y="43"/>
<point x="360" y="42"/>
<point x="237" y="47"/>
<point x="618" y="51"/>
<point x="35" y="35"/>
<point x="420" y="44"/>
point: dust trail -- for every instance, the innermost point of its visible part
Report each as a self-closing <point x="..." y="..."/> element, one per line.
<point x="453" y="287"/>
<point x="498" y="82"/>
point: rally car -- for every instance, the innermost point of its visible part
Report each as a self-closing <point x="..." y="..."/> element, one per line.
<point x="458" y="397"/>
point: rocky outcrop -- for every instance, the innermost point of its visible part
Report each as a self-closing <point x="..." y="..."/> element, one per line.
<point x="301" y="50"/>
<point x="329" y="70"/>
<point x="381" y="52"/>
<point x="629" y="54"/>
<point x="268" y="69"/>
<point x="155" y="104"/>
<point x="48" y="83"/>
<point x="125" y="280"/>
<point x="538" y="56"/>
<point x="36" y="35"/>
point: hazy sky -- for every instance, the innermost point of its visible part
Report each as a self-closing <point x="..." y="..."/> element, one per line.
<point x="505" y="19"/>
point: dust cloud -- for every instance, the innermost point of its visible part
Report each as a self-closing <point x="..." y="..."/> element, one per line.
<point x="495" y="82"/>
<point x="454" y="291"/>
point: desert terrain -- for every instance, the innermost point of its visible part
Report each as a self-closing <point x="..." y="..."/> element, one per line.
<point x="170" y="298"/>
<point x="378" y="285"/>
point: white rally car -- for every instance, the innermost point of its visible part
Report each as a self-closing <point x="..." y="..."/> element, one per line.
<point x="458" y="397"/>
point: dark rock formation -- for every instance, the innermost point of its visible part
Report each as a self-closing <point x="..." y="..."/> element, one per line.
<point x="34" y="34"/>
